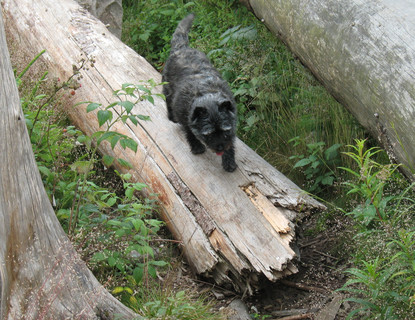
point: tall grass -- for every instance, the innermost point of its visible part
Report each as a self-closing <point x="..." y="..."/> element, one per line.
<point x="278" y="99"/>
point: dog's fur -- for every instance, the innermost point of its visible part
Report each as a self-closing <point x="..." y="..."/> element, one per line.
<point x="199" y="99"/>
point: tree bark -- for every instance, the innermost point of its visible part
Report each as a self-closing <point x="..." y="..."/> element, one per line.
<point x="234" y="227"/>
<point x="364" y="53"/>
<point x="108" y="11"/>
<point x="41" y="275"/>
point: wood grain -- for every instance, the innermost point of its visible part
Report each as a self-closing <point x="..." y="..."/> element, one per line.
<point x="224" y="234"/>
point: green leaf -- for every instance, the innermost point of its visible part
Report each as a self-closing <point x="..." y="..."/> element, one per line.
<point x="129" y="143"/>
<point x="127" y="105"/>
<point x="332" y="152"/>
<point x="158" y="263"/>
<point x="106" y="136"/>
<point x="117" y="290"/>
<point x="125" y="163"/>
<point x="133" y="119"/>
<point x="92" y="106"/>
<point x="108" y="160"/>
<point x="99" y="256"/>
<point x="111" y="201"/>
<point x="120" y="265"/>
<point x="142" y="117"/>
<point x="82" y="167"/>
<point x="44" y="170"/>
<point x="138" y="274"/>
<point x="104" y="116"/>
<point x="302" y="163"/>
<point x="152" y="271"/>
<point x="150" y="99"/>
<point x="120" y="233"/>
<point x="327" y="180"/>
<point x="129" y="192"/>
<point x="114" y="222"/>
<point x="114" y="140"/>
<point x="112" y="261"/>
<point x="137" y="223"/>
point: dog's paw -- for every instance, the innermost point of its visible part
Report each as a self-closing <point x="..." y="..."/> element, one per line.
<point x="198" y="148"/>
<point x="229" y="165"/>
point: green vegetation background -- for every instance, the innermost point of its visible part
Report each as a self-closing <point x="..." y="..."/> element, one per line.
<point x="284" y="114"/>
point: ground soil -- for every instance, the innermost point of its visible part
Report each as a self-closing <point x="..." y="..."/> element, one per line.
<point x="306" y="295"/>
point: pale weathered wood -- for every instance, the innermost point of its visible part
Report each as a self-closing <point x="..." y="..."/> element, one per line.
<point x="224" y="233"/>
<point x="41" y="275"/>
<point x="363" y="51"/>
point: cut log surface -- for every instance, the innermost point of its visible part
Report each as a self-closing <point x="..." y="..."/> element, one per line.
<point x="235" y="227"/>
<point x="363" y="51"/>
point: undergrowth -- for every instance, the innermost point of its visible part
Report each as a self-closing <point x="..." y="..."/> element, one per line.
<point x="284" y="114"/>
<point x="278" y="99"/>
<point x="115" y="229"/>
<point x="289" y="119"/>
<point x="382" y="283"/>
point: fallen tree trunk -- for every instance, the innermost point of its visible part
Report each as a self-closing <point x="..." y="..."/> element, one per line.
<point x="41" y="275"/>
<point x="364" y="53"/>
<point x="235" y="227"/>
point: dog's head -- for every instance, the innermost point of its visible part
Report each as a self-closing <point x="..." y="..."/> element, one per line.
<point x="213" y="121"/>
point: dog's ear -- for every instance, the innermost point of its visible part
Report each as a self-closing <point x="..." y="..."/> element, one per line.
<point x="226" y="105"/>
<point x="198" y="112"/>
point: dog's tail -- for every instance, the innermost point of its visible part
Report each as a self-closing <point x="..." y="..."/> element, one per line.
<point x="180" y="37"/>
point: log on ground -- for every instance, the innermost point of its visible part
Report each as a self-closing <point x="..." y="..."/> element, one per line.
<point x="363" y="52"/>
<point x="41" y="275"/>
<point x="237" y="227"/>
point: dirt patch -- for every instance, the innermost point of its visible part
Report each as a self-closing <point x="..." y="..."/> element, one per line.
<point x="309" y="294"/>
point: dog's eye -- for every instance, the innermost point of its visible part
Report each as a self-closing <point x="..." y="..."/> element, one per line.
<point x="207" y="133"/>
<point x="226" y="133"/>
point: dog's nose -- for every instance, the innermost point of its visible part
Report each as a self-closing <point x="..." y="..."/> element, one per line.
<point x="220" y="147"/>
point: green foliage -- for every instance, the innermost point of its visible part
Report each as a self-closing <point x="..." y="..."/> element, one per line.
<point x="371" y="180"/>
<point x="119" y="111"/>
<point x="277" y="97"/>
<point x="149" y="25"/>
<point x="113" y="228"/>
<point x="128" y="221"/>
<point x="383" y="283"/>
<point x="177" y="306"/>
<point x="373" y="280"/>
<point x="319" y="166"/>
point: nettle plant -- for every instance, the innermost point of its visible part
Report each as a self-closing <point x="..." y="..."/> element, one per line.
<point x="127" y="219"/>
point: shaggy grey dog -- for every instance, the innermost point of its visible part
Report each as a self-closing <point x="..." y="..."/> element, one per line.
<point x="199" y="99"/>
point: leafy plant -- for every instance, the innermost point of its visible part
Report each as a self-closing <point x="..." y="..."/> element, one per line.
<point x="129" y="222"/>
<point x="372" y="281"/>
<point x="383" y="287"/>
<point x="178" y="306"/>
<point x="319" y="165"/>
<point x="405" y="259"/>
<point x="150" y="27"/>
<point x="371" y="180"/>
<point x="121" y="110"/>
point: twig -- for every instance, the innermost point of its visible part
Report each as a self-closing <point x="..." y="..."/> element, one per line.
<point x="314" y="241"/>
<point x="326" y="255"/>
<point x="299" y="316"/>
<point x="303" y="286"/>
<point x="292" y="312"/>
